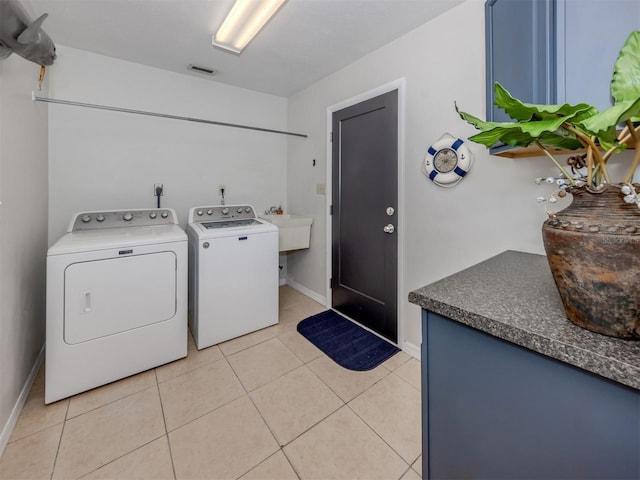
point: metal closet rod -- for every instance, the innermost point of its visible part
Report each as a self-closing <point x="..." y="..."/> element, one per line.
<point x="35" y="98"/>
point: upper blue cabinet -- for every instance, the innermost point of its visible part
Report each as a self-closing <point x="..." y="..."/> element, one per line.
<point x="555" y="51"/>
<point x="520" y="46"/>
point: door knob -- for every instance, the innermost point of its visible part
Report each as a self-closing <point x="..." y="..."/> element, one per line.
<point x="389" y="228"/>
<point x="390" y="211"/>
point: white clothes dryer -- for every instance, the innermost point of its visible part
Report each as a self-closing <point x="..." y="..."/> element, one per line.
<point x="233" y="273"/>
<point x="116" y="298"/>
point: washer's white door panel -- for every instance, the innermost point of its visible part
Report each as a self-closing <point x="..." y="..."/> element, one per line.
<point x="105" y="297"/>
<point x="237" y="286"/>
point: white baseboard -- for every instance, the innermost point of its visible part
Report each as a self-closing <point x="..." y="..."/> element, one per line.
<point x="305" y="291"/>
<point x="411" y="349"/>
<point x="7" y="430"/>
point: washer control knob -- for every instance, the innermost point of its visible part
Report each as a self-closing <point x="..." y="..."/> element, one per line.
<point x="127" y="217"/>
<point x="225" y="211"/>
<point x="209" y="212"/>
<point x="100" y="218"/>
<point x="164" y="214"/>
<point x="86" y="218"/>
<point x="240" y="210"/>
<point x="153" y="215"/>
<point x="200" y="212"/>
<point x="247" y="209"/>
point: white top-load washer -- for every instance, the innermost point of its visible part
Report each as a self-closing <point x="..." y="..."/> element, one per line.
<point x="233" y="273"/>
<point x="116" y="298"/>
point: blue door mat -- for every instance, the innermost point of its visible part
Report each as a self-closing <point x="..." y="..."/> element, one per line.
<point x="345" y="342"/>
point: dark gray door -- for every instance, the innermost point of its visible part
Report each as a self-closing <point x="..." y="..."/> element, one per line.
<point x="365" y="199"/>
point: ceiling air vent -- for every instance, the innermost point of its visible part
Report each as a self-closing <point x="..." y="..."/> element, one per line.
<point x="202" y="70"/>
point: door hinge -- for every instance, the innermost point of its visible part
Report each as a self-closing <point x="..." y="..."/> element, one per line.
<point x="331" y="137"/>
<point x="330" y="210"/>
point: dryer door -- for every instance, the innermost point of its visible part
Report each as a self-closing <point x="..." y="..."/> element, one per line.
<point x="106" y="297"/>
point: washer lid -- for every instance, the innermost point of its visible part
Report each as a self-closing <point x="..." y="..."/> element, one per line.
<point x="258" y="226"/>
<point x="230" y="223"/>
<point x="108" y="238"/>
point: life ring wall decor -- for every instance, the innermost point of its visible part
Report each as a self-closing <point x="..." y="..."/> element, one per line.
<point x="447" y="161"/>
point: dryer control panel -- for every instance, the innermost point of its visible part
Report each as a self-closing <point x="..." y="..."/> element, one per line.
<point x="122" y="218"/>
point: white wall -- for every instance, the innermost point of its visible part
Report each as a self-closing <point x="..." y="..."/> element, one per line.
<point x="23" y="234"/>
<point x="446" y="229"/>
<point x="109" y="160"/>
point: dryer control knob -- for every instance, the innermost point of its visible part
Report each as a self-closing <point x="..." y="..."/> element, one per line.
<point x="127" y="217"/>
<point x="164" y="214"/>
<point x="225" y="211"/>
<point x="100" y="218"/>
<point x="86" y="218"/>
<point x="199" y="212"/>
<point x="153" y="215"/>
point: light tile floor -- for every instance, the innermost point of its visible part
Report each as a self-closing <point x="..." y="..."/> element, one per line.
<point x="268" y="405"/>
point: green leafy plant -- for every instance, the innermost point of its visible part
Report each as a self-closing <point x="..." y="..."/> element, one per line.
<point x="554" y="128"/>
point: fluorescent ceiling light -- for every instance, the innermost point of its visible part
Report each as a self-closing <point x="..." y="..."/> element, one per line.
<point x="244" y="21"/>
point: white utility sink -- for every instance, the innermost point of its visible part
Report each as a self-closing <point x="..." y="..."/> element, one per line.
<point x="294" y="231"/>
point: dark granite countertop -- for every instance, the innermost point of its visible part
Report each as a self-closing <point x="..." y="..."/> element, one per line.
<point x="512" y="296"/>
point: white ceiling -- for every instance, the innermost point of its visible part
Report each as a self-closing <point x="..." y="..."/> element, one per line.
<point x="306" y="41"/>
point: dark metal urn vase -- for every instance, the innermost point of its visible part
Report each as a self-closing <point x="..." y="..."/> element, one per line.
<point x="593" y="249"/>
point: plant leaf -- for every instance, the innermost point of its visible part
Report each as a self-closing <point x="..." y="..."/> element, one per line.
<point x="559" y="142"/>
<point x="524" y="112"/>
<point x="603" y="124"/>
<point x="625" y="83"/>
<point x="523" y="134"/>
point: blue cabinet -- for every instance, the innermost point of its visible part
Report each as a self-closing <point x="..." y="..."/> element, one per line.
<point x="555" y="51"/>
<point x="520" y="46"/>
<point x="590" y="34"/>
<point x="492" y="409"/>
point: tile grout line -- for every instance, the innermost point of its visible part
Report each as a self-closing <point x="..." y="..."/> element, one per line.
<point x="380" y="435"/>
<point x="64" y="424"/>
<point x="382" y="438"/>
<point x="247" y="348"/>
<point x="279" y="376"/>
<point x="280" y="446"/>
<point x="404" y="473"/>
<point x="298" y="474"/>
<point x="261" y="416"/>
<point x="270" y="431"/>
<point x="111" y="401"/>
<point x="120" y="457"/>
<point x="164" y="421"/>
<point x="139" y="446"/>
<point x="346" y="403"/>
<point x="405" y="381"/>
<point x="210" y="411"/>
<point x="316" y="423"/>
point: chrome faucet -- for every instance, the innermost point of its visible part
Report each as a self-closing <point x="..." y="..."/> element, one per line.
<point x="271" y="210"/>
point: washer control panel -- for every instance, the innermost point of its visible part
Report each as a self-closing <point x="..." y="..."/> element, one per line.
<point x="218" y="213"/>
<point x="122" y="218"/>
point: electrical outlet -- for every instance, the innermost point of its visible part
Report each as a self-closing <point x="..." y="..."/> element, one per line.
<point x="157" y="186"/>
<point x="321" y="188"/>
